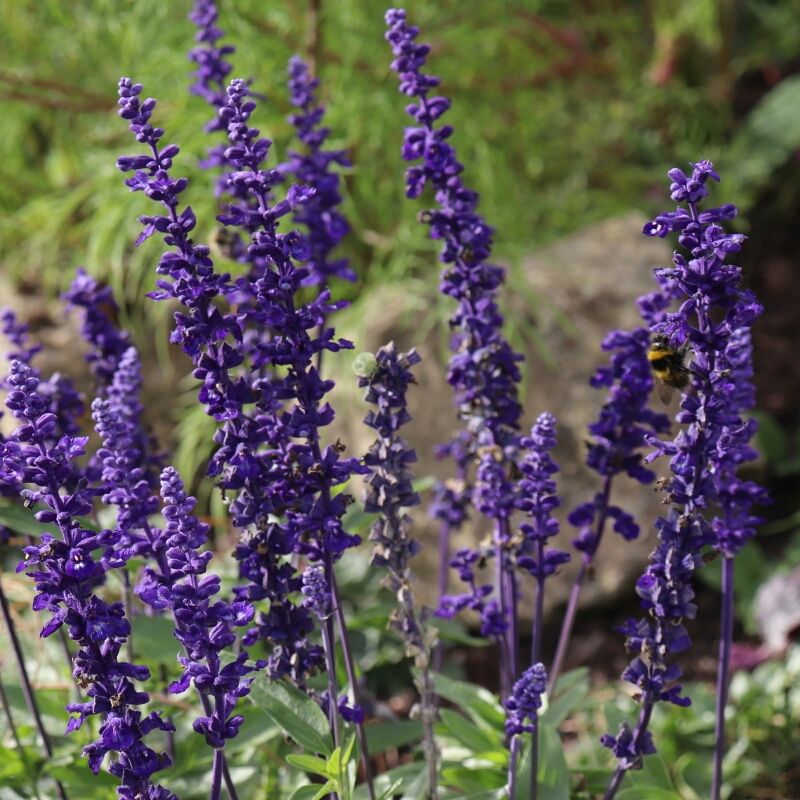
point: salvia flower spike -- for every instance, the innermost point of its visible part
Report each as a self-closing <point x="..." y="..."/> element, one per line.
<point x="714" y="318"/>
<point x="484" y="369"/>
<point x="66" y="570"/>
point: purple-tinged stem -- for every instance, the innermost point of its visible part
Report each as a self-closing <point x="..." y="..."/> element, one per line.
<point x="572" y="605"/>
<point x="538" y="611"/>
<point x="328" y="645"/>
<point x="444" y="567"/>
<point x="216" y="774"/>
<point x="512" y="768"/>
<point x="27" y="689"/>
<point x="351" y="677"/>
<point x="502" y="641"/>
<point x="536" y="657"/>
<point x="722" y="675"/>
<point x="513" y="620"/>
<point x="534" y="791"/>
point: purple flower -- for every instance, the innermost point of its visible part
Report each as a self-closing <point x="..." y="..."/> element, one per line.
<point x="525" y="701"/>
<point x="63" y="399"/>
<point x="212" y="69"/>
<point x="315" y="589"/>
<point x="325" y="223"/>
<point x="538" y="499"/>
<point x="204" y="628"/>
<point x="270" y="456"/>
<point x="108" y="343"/>
<point x="483" y="368"/>
<point x="622" y="429"/>
<point x="714" y="317"/>
<point x="390" y="490"/>
<point x="66" y="571"/>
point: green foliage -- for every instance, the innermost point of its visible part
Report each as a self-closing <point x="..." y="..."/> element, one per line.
<point x="619" y="93"/>
<point x="296" y="713"/>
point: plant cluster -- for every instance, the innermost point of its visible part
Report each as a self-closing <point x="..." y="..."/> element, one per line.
<point x="256" y="337"/>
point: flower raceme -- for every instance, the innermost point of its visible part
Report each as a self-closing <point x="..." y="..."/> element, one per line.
<point x="483" y="368"/>
<point x="715" y="316"/>
<point x="65" y="571"/>
<point x="266" y="391"/>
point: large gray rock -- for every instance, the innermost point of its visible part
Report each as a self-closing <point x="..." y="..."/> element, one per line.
<point x="559" y="305"/>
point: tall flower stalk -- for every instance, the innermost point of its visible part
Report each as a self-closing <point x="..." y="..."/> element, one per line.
<point x="389" y="494"/>
<point x="272" y="456"/>
<point x="538" y="499"/>
<point x="68" y="569"/>
<point x="522" y="716"/>
<point x="483" y="369"/>
<point x="714" y="318"/>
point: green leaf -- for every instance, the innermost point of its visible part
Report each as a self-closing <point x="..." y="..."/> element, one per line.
<point x="470" y="735"/>
<point x="348" y="750"/>
<point x="647" y="793"/>
<point x="419" y="788"/>
<point x="294" y="712"/>
<point x="307" y="792"/>
<point x="334" y="766"/>
<point x="400" y="778"/>
<point x="453" y="631"/>
<point x="566" y="701"/>
<point x="154" y="639"/>
<point x="325" y="790"/>
<point x="310" y="764"/>
<point x="553" y="772"/>
<point x="255" y="729"/>
<point x="390" y="792"/>
<point x="478" y="702"/>
<point x="494" y="794"/>
<point x="472" y="779"/>
<point x="21" y="520"/>
<point x="384" y="735"/>
<point x="654" y="773"/>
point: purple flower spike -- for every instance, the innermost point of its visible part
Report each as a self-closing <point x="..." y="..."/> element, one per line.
<point x="205" y="629"/>
<point x="538" y="499"/>
<point x="484" y="369"/>
<point x="621" y="431"/>
<point x="525" y="701"/>
<point x="212" y="68"/>
<point x="63" y="399"/>
<point x="270" y="457"/>
<point x="390" y="490"/>
<point x="714" y="319"/>
<point x="390" y="493"/>
<point x="326" y="225"/>
<point x="108" y="343"/>
<point x="68" y="569"/>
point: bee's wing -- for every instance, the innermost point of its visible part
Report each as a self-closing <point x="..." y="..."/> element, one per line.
<point x="664" y="392"/>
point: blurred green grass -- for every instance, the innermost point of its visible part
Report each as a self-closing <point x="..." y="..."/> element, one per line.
<point x="565" y="113"/>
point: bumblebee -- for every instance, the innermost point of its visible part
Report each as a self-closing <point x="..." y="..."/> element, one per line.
<point x="226" y="243"/>
<point x="668" y="368"/>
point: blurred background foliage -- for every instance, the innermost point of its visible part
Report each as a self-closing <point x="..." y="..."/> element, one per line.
<point x="566" y="112"/>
